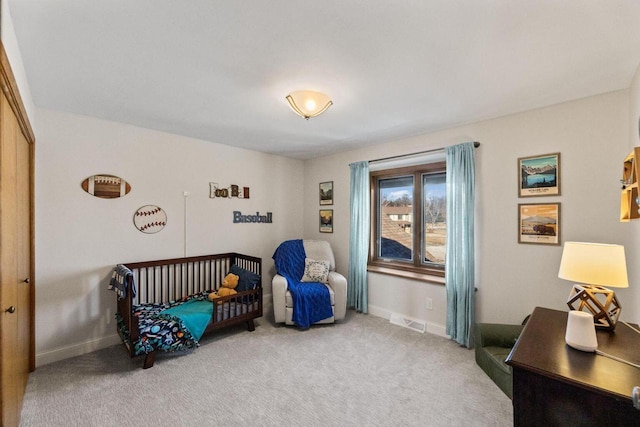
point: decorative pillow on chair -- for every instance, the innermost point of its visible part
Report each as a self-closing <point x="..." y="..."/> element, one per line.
<point x="315" y="271"/>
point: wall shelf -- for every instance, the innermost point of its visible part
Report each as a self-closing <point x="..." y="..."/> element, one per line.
<point x="629" y="208"/>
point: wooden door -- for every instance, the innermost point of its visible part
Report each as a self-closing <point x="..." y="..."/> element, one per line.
<point x="23" y="209"/>
<point x="8" y="268"/>
<point x="16" y="249"/>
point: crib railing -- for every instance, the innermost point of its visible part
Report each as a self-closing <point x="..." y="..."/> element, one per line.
<point x="173" y="279"/>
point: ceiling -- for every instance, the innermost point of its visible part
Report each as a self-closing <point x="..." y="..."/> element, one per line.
<point x="220" y="70"/>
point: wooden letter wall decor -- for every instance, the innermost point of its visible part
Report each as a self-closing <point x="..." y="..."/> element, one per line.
<point x="227" y="193"/>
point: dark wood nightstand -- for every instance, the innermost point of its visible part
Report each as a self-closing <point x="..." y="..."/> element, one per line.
<point x="556" y="385"/>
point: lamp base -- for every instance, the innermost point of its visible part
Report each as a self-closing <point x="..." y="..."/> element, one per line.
<point x="597" y="300"/>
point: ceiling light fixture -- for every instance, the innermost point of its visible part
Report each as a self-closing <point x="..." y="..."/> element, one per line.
<point x="308" y="104"/>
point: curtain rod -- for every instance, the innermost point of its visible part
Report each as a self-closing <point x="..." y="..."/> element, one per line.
<point x="476" y="144"/>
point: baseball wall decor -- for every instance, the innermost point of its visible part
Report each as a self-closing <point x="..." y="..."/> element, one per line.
<point x="150" y="219"/>
<point x="238" y="217"/>
<point x="106" y="186"/>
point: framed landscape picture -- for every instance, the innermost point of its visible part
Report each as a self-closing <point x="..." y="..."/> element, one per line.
<point x="539" y="223"/>
<point x="326" y="193"/>
<point x="326" y="220"/>
<point x="539" y="175"/>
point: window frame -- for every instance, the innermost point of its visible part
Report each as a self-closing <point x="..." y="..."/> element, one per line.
<point x="415" y="269"/>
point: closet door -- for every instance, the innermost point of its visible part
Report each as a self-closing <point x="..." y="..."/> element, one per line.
<point x="12" y="391"/>
<point x="23" y="231"/>
<point x="16" y="248"/>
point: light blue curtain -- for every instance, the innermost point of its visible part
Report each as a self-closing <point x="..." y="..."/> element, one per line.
<point x="460" y="259"/>
<point x="357" y="288"/>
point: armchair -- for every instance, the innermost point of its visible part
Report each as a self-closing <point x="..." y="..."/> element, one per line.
<point x="493" y="343"/>
<point x="337" y="285"/>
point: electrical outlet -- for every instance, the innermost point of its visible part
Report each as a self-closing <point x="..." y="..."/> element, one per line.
<point x="429" y="304"/>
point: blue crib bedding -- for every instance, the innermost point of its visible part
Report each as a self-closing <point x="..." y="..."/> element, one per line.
<point x="169" y="333"/>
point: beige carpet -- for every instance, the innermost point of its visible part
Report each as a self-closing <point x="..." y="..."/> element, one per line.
<point x="361" y="372"/>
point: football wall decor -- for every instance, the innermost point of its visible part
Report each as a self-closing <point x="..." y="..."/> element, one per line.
<point x="106" y="186"/>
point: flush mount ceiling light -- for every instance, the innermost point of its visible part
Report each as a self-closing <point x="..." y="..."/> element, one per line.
<point x="308" y="104"/>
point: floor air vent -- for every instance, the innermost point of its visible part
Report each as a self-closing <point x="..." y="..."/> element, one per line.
<point x="414" y="325"/>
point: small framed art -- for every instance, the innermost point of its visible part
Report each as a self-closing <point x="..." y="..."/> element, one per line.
<point x="539" y="223"/>
<point x="326" y="220"/>
<point x="539" y="175"/>
<point x="326" y="193"/>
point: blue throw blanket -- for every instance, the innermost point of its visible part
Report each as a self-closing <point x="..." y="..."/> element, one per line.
<point x="194" y="314"/>
<point x="311" y="300"/>
<point x="118" y="282"/>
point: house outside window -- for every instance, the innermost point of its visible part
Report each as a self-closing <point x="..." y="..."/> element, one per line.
<point x="409" y="220"/>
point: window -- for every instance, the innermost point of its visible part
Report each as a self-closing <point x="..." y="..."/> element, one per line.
<point x="409" y="220"/>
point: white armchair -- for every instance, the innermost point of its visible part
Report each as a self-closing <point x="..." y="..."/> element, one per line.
<point x="282" y="300"/>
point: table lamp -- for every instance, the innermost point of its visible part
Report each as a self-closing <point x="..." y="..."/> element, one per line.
<point x="594" y="265"/>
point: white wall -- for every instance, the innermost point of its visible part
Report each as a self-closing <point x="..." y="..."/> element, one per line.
<point x="12" y="49"/>
<point x="592" y="136"/>
<point x="79" y="238"/>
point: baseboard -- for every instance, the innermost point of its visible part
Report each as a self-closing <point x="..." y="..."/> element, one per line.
<point x="432" y="328"/>
<point x="62" y="353"/>
<point x="379" y="312"/>
<point x="437" y="329"/>
<point x="267" y="303"/>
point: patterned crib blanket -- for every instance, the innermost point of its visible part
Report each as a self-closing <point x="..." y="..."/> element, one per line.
<point x="169" y="333"/>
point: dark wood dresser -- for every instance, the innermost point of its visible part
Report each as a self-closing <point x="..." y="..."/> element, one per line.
<point x="556" y="385"/>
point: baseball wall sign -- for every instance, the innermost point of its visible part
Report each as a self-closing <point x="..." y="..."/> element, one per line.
<point x="106" y="186"/>
<point x="150" y="219"/>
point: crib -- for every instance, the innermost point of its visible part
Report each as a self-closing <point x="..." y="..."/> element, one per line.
<point x="161" y="284"/>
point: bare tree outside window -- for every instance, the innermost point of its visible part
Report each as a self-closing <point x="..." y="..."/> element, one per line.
<point x="435" y="217"/>
<point x="409" y="220"/>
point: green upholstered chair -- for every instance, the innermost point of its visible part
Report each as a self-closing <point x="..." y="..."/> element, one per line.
<point x="493" y="343"/>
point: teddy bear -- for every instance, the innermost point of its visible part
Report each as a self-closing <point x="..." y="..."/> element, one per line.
<point x="229" y="283"/>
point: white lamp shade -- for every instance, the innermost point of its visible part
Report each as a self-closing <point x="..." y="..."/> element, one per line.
<point x="594" y="264"/>
<point x="307" y="103"/>
<point x="581" y="332"/>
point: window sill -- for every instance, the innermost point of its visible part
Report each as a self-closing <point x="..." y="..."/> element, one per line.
<point x="422" y="277"/>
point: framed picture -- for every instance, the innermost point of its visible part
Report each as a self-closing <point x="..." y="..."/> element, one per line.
<point x="539" y="175"/>
<point x="326" y="193"/>
<point x="539" y="223"/>
<point x="326" y="220"/>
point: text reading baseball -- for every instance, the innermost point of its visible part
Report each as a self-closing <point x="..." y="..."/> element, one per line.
<point x="238" y="217"/>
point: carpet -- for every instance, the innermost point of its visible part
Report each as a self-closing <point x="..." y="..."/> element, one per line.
<point x="362" y="371"/>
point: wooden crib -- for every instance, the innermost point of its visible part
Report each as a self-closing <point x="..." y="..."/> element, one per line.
<point x="170" y="280"/>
